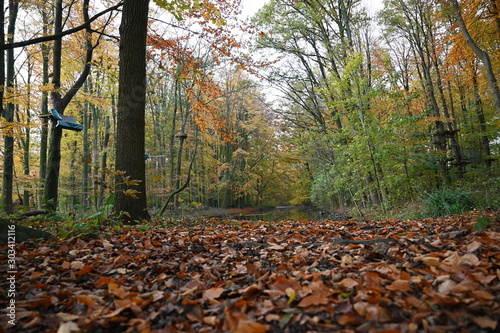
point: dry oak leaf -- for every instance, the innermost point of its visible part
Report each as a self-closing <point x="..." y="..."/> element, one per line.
<point x="446" y="287"/>
<point x="250" y="326"/>
<point x="107" y="245"/>
<point x="485" y="322"/>
<point x="348" y="283"/>
<point x="400" y="285"/>
<point x="68" y="327"/>
<point x="429" y="260"/>
<point x="85" y="270"/>
<point x="313" y="300"/>
<point x="239" y="322"/>
<point x="282" y="283"/>
<point x="77" y="264"/>
<point x="473" y="246"/>
<point x="87" y="300"/>
<point x="115" y="289"/>
<point x="212" y="294"/>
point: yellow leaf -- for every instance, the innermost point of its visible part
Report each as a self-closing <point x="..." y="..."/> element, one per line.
<point x="131" y="193"/>
<point x="131" y="182"/>
<point x="291" y="295"/>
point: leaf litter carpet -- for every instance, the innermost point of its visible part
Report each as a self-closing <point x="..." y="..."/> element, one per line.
<point x="431" y="275"/>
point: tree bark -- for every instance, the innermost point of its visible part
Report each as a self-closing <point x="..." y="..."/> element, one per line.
<point x="45" y="101"/>
<point x="482" y="55"/>
<point x="130" y="129"/>
<point x="60" y="103"/>
<point x="8" y="164"/>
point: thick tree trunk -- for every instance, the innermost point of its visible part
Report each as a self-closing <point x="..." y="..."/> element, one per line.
<point x="60" y="103"/>
<point x="8" y="164"/>
<point x="45" y="103"/>
<point x="130" y="129"/>
<point x="51" y="189"/>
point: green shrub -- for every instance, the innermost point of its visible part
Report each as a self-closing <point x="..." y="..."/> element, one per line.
<point x="449" y="202"/>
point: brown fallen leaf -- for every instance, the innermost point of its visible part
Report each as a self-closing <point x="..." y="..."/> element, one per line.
<point x="117" y="290"/>
<point x="348" y="283"/>
<point x="212" y="293"/>
<point x="311" y="300"/>
<point x="400" y="285"/>
<point x="485" y="322"/>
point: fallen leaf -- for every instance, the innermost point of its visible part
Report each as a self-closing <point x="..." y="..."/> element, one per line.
<point x="251" y="326"/>
<point x="68" y="327"/>
<point x="346" y="260"/>
<point x="485" y="322"/>
<point x="312" y="300"/>
<point x="429" y="260"/>
<point x="400" y="285"/>
<point x="107" y="245"/>
<point x="115" y="289"/>
<point x="212" y="293"/>
<point x="470" y="260"/>
<point x="446" y="287"/>
<point x="348" y="283"/>
<point x="77" y="265"/>
<point x="85" y="270"/>
<point x="474" y="246"/>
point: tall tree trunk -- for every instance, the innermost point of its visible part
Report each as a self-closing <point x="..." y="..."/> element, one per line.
<point x="2" y="57"/>
<point x="26" y="141"/>
<point x="130" y="129"/>
<point x="173" y="131"/>
<point x="86" y="153"/>
<point x="8" y="164"/>
<point x="451" y="131"/>
<point x="45" y="100"/>
<point x="51" y="188"/>
<point x="104" y="157"/>
<point x="485" y="142"/>
<point x="483" y="55"/>
<point x="60" y="103"/>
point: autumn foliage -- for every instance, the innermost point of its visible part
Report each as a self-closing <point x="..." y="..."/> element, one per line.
<point x="433" y="275"/>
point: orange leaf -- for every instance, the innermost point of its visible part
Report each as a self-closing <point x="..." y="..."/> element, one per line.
<point x="400" y="285"/>
<point x="312" y="300"/>
<point x="250" y="326"/>
<point x="116" y="290"/>
<point x="104" y="281"/>
<point x="85" y="270"/>
<point x="35" y="275"/>
<point x="86" y="300"/>
<point x="372" y="281"/>
<point x="282" y="283"/>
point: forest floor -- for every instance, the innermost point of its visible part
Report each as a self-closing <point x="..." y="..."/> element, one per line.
<point x="429" y="275"/>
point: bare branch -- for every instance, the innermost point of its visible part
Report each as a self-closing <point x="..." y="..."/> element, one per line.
<point x="85" y="25"/>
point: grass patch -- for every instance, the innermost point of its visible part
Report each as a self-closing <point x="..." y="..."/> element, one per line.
<point x="449" y="202"/>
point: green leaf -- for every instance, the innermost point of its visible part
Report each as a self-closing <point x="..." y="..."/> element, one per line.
<point x="482" y="223"/>
<point x="110" y="199"/>
<point x="285" y="319"/>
